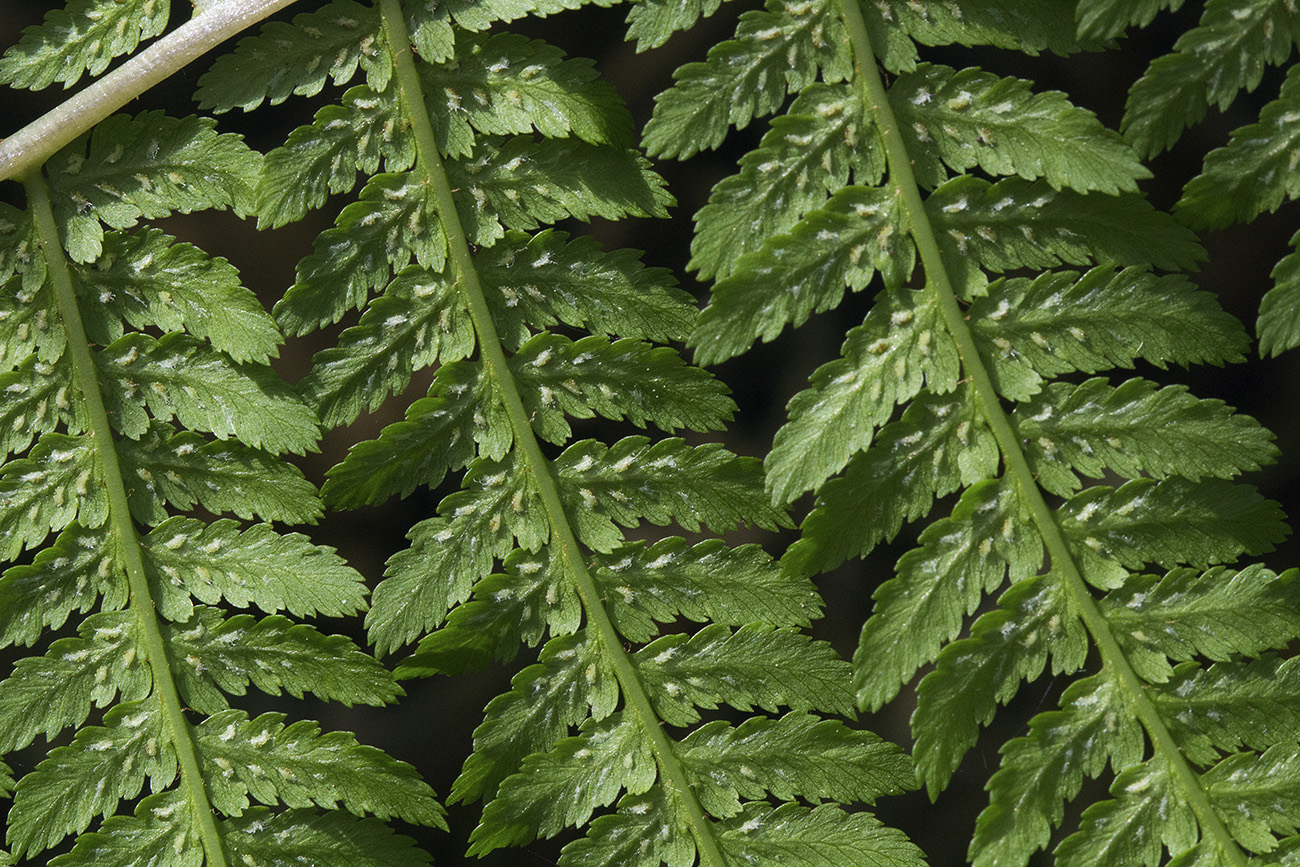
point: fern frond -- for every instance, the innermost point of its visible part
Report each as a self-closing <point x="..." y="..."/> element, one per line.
<point x="297" y="59"/>
<point x="776" y="51"/>
<point x="147" y="166"/>
<point x="949" y="387"/>
<point x="81" y="39"/>
<point x="508" y="136"/>
<point x="1227" y="52"/>
<point x="140" y="387"/>
<point x="651" y="22"/>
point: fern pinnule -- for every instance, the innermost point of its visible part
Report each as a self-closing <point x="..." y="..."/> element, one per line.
<point x="970" y="357"/>
<point x="137" y="385"/>
<point x="484" y="140"/>
<point x="1227" y="52"/>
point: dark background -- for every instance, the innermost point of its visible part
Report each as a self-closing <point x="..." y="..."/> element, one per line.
<point x="432" y="727"/>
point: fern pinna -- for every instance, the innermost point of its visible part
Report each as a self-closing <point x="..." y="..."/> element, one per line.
<point x="471" y="141"/>
<point x="136" y="390"/>
<point x="1227" y="52"/>
<point x="963" y="380"/>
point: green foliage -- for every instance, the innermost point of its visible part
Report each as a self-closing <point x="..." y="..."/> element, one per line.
<point x="1229" y="51"/>
<point x="669" y="703"/>
<point x="485" y="139"/>
<point x="138" y="369"/>
<point x="951" y="385"/>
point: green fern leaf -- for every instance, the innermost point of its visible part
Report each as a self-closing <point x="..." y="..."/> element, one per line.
<point x="804" y="272"/>
<point x="69" y="575"/>
<point x="1258" y="696"/>
<point x="273" y="654"/>
<point x="1092" y="427"/>
<point x="1045" y="768"/>
<point x="569" y="680"/>
<point x="519" y="184"/>
<point x="961" y="558"/>
<point x="419" y="450"/>
<point x="974" y="675"/>
<point x="82" y="38"/>
<point x="478" y="525"/>
<point x="1030" y="28"/>
<point x="651" y="22"/>
<point x="1104" y="19"/>
<point x="393" y="222"/>
<point x="91" y="775"/>
<point x="1279" y="312"/>
<point x="1055" y="324"/>
<point x="625" y="379"/>
<point x="1145" y="797"/>
<point x="185" y="468"/>
<point x="180" y="377"/>
<point x="324" y="157"/>
<point x="1022" y="224"/>
<point x="46" y="694"/>
<point x="818" y="837"/>
<point x="533" y="283"/>
<point x="505" y="84"/>
<point x="36" y="402"/>
<point x="972" y="118"/>
<point x="886" y="360"/>
<point x="783" y="756"/>
<point x="55" y="484"/>
<point x="775" y="52"/>
<point x="809" y="152"/>
<point x="413" y="325"/>
<point x="706" y="582"/>
<point x="514" y="607"/>
<point x="1216" y="614"/>
<point x="623" y="483"/>
<point x="146" y="166"/>
<point x="645" y="826"/>
<point x="307" y="768"/>
<point x="155" y="834"/>
<point x="1226" y="52"/>
<point x="1264" y="806"/>
<point x="18" y="245"/>
<point x="567" y="576"/>
<point x="211" y="562"/>
<point x="330" y="839"/>
<point x="1170" y="522"/>
<point x="1253" y="173"/>
<point x="478" y="14"/>
<point x="562" y="787"/>
<point x="297" y="59"/>
<point x="27" y="327"/>
<point x="161" y="660"/>
<point x="895" y="480"/>
<point x="147" y="279"/>
<point x="717" y="665"/>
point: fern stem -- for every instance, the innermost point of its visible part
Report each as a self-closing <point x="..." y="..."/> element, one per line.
<point x="494" y="361"/>
<point x="141" y="602"/>
<point x="940" y="287"/>
<point x="35" y="143"/>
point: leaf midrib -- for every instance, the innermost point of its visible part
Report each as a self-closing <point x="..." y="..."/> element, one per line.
<point x="494" y="361"/>
<point x="940" y="288"/>
<point x="141" y="603"/>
